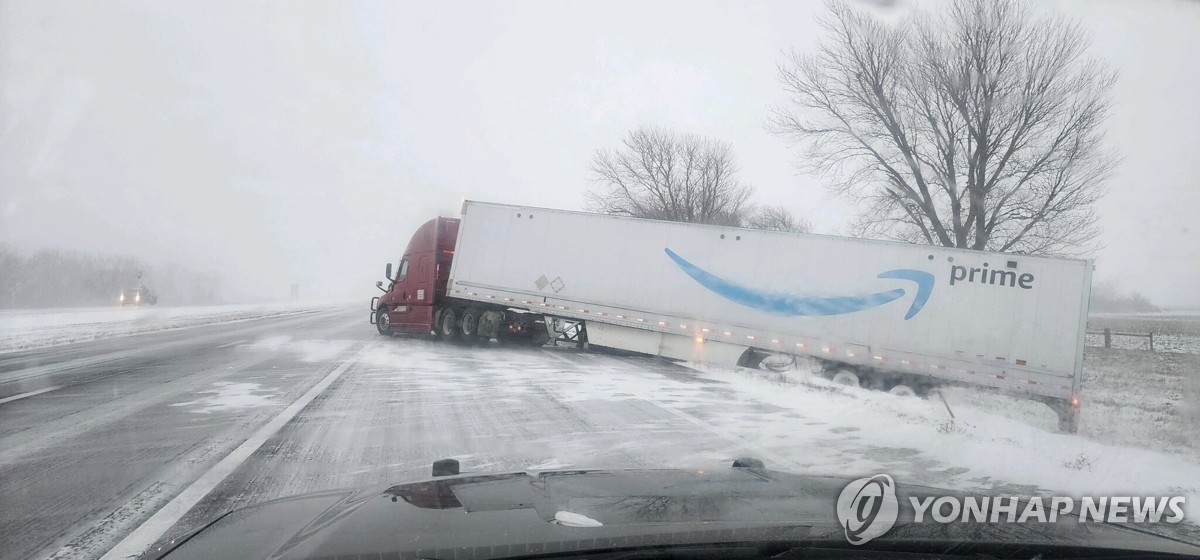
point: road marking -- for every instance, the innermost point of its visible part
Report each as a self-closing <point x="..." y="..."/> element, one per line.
<point x="29" y="394"/>
<point x="234" y="343"/>
<point x="148" y="533"/>
<point x="732" y="438"/>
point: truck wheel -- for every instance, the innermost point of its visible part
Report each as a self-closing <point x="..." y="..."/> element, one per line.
<point x="902" y="390"/>
<point x="447" y="325"/>
<point x="470" y="324"/>
<point x="1068" y="423"/>
<point x="538" y="335"/>
<point x="383" y="322"/>
<point x="778" y="363"/>
<point x="846" y="378"/>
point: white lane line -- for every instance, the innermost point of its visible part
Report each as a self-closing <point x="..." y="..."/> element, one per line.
<point x="234" y="343"/>
<point x="759" y="452"/>
<point x="153" y="529"/>
<point x="29" y="394"/>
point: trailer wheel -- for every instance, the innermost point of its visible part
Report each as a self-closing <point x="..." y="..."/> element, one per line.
<point x="902" y="390"/>
<point x="539" y="335"/>
<point x="778" y="362"/>
<point x="447" y="326"/>
<point x="846" y="378"/>
<point x="470" y="324"/>
<point x="383" y="322"/>
<point x="1068" y="422"/>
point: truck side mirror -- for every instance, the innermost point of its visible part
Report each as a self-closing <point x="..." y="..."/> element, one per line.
<point x="387" y="271"/>
<point x="379" y="284"/>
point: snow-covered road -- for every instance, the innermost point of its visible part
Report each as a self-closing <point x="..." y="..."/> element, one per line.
<point x="24" y="329"/>
<point x="184" y="425"/>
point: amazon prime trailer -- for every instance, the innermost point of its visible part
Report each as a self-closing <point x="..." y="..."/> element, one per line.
<point x="888" y="315"/>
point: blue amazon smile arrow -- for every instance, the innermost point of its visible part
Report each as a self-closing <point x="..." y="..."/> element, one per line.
<point x="787" y="304"/>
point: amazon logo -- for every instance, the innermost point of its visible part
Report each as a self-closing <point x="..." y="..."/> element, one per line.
<point x="807" y="306"/>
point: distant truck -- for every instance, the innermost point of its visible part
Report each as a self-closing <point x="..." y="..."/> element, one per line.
<point x="891" y="316"/>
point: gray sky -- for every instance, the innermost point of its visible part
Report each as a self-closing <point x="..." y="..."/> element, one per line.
<point x="304" y="141"/>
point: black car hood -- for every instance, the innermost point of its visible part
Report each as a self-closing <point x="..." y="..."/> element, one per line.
<point x="521" y="514"/>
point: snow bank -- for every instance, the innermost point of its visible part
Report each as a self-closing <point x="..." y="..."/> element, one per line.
<point x="993" y="443"/>
<point x="800" y="422"/>
<point x="36" y="328"/>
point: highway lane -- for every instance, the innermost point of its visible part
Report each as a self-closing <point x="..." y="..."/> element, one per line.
<point x="136" y="428"/>
<point x="113" y="437"/>
<point x="405" y="403"/>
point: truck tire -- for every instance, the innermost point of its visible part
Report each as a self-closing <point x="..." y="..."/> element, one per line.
<point x="902" y="390"/>
<point x="470" y="324"/>
<point x="1068" y="423"/>
<point x="778" y="362"/>
<point x="447" y="324"/>
<point x="383" y="323"/>
<point x="539" y="335"/>
<point x="847" y="378"/>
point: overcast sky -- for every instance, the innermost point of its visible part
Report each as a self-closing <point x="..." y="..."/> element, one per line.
<point x="304" y="141"/>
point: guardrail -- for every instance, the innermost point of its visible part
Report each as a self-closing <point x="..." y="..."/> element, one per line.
<point x="1108" y="334"/>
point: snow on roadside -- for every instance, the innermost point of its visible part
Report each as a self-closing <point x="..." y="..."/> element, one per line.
<point x="36" y="328"/>
<point x="802" y="423"/>
<point x="820" y="427"/>
<point x="836" y="429"/>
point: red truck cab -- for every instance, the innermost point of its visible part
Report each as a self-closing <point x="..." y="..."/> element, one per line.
<point x="420" y="281"/>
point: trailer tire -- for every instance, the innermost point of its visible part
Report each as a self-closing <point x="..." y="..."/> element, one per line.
<point x="778" y="362"/>
<point x="383" y="322"/>
<point x="470" y="324"/>
<point x="847" y="378"/>
<point x="1068" y="423"/>
<point x="539" y="335"/>
<point x="902" y="390"/>
<point x="447" y="324"/>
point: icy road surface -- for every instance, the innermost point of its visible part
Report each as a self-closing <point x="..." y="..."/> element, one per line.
<point x="23" y="329"/>
<point x="121" y="441"/>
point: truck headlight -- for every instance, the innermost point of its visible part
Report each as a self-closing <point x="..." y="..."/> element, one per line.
<point x="122" y="296"/>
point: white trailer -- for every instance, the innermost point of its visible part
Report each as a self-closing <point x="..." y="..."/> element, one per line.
<point x="894" y="314"/>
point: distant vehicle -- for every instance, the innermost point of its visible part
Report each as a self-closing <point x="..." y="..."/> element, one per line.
<point x="138" y="296"/>
<point x="892" y="316"/>
<point x="743" y="511"/>
<point x="141" y="295"/>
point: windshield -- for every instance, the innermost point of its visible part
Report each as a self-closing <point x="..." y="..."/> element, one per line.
<point x="918" y="251"/>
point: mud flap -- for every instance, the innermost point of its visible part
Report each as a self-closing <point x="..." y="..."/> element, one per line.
<point x="1067" y="411"/>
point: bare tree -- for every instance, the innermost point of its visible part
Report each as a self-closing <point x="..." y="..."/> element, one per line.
<point x="776" y="218"/>
<point x="662" y="175"/>
<point x="979" y="128"/>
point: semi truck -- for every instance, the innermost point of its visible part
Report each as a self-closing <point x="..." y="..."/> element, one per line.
<point x="885" y="315"/>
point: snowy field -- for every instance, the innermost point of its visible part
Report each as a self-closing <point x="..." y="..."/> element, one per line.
<point x="1174" y="331"/>
<point x="24" y="329"/>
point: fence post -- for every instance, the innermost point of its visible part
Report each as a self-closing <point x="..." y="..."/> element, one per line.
<point x="1151" y="341"/>
<point x="1108" y="338"/>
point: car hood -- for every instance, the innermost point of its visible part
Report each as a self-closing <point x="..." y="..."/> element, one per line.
<point x="527" y="513"/>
